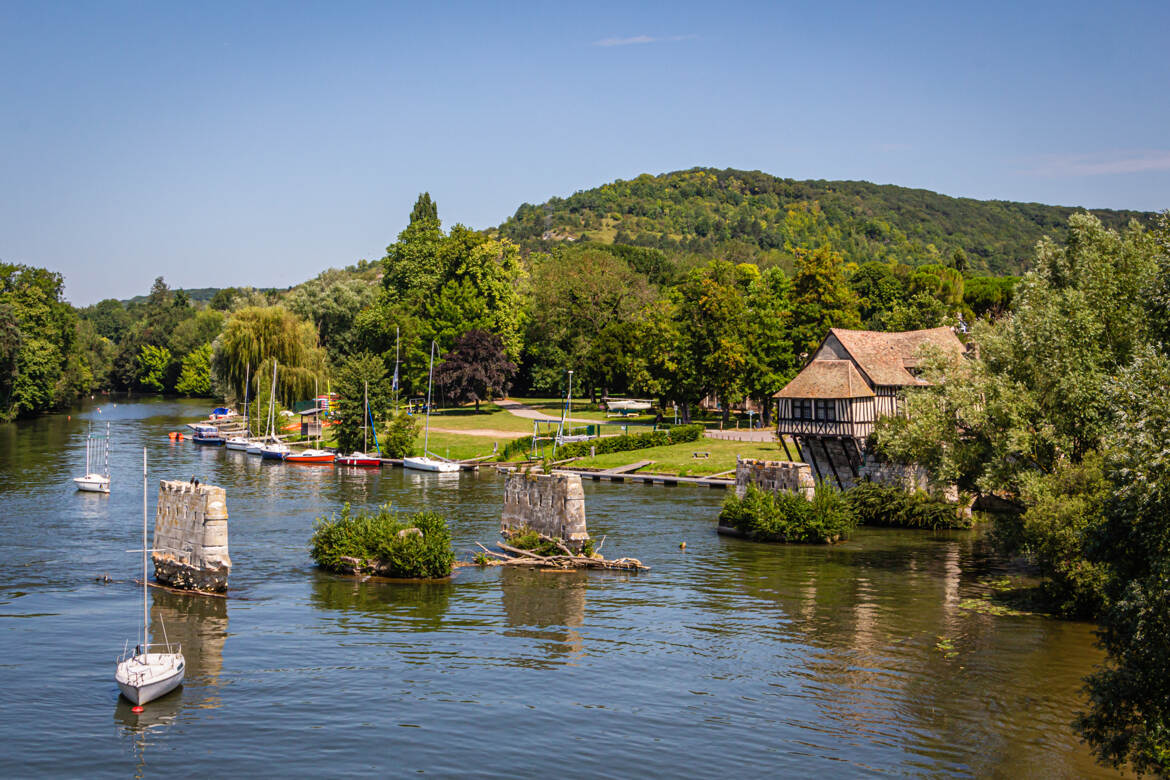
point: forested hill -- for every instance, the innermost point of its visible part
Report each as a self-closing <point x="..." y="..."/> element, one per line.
<point x="746" y="215"/>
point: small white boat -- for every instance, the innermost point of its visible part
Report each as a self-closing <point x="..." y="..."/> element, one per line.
<point x="425" y="462"/>
<point x="144" y="674"/>
<point x="93" y="481"/>
<point x="241" y="443"/>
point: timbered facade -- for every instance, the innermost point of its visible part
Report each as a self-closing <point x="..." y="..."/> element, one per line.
<point x="854" y="377"/>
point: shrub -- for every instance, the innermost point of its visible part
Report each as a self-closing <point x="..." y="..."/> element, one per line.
<point x="633" y="441"/>
<point x="883" y="505"/>
<point x="375" y="540"/>
<point x="788" y="517"/>
<point x="400" y="435"/>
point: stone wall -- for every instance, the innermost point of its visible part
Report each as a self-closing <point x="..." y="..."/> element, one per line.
<point x="773" y="476"/>
<point x="552" y="504"/>
<point x="909" y="477"/>
<point x="191" y="536"/>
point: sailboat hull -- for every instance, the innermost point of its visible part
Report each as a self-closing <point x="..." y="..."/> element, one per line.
<point x="429" y="464"/>
<point x="93" y="483"/>
<point x="144" y="678"/>
<point x="360" y="460"/>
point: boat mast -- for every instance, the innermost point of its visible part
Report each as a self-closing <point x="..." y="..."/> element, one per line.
<point x="247" y="368"/>
<point x="145" y="613"/>
<point x="272" y="403"/>
<point x="88" y="444"/>
<point x="395" y="369"/>
<point x="107" y="464"/>
<point x="365" y="428"/>
<point x="430" y="379"/>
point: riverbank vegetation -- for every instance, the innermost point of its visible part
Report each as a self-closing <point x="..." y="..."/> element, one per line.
<point x="1063" y="415"/>
<point x="894" y="507"/>
<point x="385" y="543"/>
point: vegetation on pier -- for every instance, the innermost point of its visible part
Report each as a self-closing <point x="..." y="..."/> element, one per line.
<point x="894" y="507"/>
<point x="384" y="543"/>
<point x="764" y="516"/>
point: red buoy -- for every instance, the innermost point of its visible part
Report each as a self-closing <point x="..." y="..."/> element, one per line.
<point x="136" y="708"/>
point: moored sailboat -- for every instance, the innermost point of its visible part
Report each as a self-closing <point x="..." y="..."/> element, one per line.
<point x="95" y="481"/>
<point x="150" y="670"/>
<point x="364" y="459"/>
<point x="425" y="462"/>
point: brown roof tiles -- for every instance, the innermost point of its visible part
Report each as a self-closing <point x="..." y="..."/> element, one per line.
<point x="827" y="379"/>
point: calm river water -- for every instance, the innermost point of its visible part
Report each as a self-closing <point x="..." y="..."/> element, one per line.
<point x="728" y="658"/>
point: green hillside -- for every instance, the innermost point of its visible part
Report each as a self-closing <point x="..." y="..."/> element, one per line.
<point x="746" y="215"/>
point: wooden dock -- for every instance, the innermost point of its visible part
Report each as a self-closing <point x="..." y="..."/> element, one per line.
<point x="613" y="475"/>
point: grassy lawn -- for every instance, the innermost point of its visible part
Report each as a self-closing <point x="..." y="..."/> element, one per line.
<point x="582" y="410"/>
<point x="457" y="446"/>
<point x="489" y="416"/>
<point x="679" y="458"/>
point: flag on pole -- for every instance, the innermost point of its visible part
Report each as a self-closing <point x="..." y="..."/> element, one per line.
<point x="395" y="385"/>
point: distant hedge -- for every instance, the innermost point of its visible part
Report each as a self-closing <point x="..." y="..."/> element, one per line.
<point x="384" y="543"/>
<point x="633" y="441"/>
<point x="882" y="505"/>
<point x="789" y="517"/>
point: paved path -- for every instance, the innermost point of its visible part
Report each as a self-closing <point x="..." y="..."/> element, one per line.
<point x="528" y="413"/>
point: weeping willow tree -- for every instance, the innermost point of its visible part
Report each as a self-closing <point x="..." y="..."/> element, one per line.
<point x="253" y="338"/>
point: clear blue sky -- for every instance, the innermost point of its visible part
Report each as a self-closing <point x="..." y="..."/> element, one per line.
<point x="259" y="143"/>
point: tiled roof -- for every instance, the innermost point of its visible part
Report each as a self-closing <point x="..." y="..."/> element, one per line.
<point x="884" y="357"/>
<point x="827" y="379"/>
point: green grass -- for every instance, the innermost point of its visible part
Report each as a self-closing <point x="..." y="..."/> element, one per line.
<point x="678" y="459"/>
<point x="490" y="416"/>
<point x="457" y="446"/>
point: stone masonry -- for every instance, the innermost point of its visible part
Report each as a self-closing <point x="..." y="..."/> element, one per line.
<point x="191" y="536"/>
<point x="552" y="504"/>
<point x="773" y="476"/>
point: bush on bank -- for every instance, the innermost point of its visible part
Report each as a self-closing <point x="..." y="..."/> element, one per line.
<point x="607" y="444"/>
<point x="383" y="543"/>
<point x="884" y="505"/>
<point x="788" y="517"/>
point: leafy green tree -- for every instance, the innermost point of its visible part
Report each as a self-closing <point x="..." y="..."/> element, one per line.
<point x="351" y="380"/>
<point x="576" y="295"/>
<point x="821" y="298"/>
<point x="153" y="365"/>
<point x="1128" y="722"/>
<point x="332" y="301"/>
<point x="413" y="266"/>
<point x="476" y="369"/>
<point x="195" y="331"/>
<point x="255" y="336"/>
<point x="771" y="362"/>
<point x="195" y="376"/>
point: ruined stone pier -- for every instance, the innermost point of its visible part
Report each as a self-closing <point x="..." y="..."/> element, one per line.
<point x="774" y="476"/>
<point x="551" y="504"/>
<point x="190" y="549"/>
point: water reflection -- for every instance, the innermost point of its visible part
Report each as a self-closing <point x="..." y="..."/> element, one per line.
<point x="548" y="606"/>
<point x="419" y="606"/>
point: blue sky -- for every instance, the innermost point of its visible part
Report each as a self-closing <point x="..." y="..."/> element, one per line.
<point x="259" y="143"/>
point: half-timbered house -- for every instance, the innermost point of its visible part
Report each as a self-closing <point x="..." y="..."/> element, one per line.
<point x="854" y="377"/>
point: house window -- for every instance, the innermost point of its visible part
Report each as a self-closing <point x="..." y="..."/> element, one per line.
<point x="826" y="410"/>
<point x="802" y="409"/>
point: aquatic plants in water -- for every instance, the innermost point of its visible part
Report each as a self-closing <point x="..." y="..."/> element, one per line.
<point x="788" y="517"/>
<point x="384" y="543"/>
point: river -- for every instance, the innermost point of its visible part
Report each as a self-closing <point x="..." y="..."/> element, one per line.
<point x="727" y="658"/>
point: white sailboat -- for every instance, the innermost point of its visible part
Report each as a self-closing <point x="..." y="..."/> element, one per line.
<point x="242" y="442"/>
<point x="271" y="447"/>
<point x="425" y="462"/>
<point x="149" y="670"/>
<point x="94" y="481"/>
